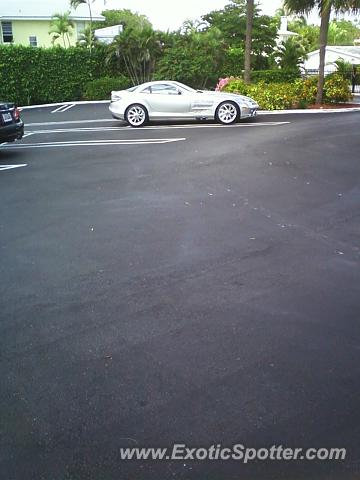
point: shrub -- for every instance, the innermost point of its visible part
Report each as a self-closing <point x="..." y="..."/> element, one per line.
<point x="298" y="94"/>
<point x="336" y="89"/>
<point x="236" y="85"/>
<point x="276" y="96"/>
<point x="100" y="89"/>
<point x="305" y="91"/>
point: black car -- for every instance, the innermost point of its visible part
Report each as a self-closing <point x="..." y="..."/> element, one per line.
<point x="11" y="125"/>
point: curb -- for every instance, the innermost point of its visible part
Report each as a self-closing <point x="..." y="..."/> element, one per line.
<point x="260" y="112"/>
<point x="310" y="110"/>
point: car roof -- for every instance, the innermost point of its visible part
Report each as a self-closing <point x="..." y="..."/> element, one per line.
<point x="157" y="82"/>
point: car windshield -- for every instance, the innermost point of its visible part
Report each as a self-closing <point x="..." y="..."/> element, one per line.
<point x="185" y="87"/>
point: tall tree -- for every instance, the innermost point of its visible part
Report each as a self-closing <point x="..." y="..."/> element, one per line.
<point x="231" y="21"/>
<point x="192" y="55"/>
<point x="325" y="7"/>
<point x="74" y="4"/>
<point x="248" y="39"/>
<point x="61" y="26"/>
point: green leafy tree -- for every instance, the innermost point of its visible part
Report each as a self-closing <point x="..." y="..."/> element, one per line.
<point x="124" y="17"/>
<point x="342" y="32"/>
<point x="231" y="21"/>
<point x="194" y="56"/>
<point x="325" y="7"/>
<point x="61" y="26"/>
<point x="308" y="34"/>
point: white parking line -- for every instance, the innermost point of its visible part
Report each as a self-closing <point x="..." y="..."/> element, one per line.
<point x="95" y="143"/>
<point x="154" y="127"/>
<point x="63" y="108"/>
<point x="58" y="109"/>
<point x="67" y="107"/>
<point x="9" y="167"/>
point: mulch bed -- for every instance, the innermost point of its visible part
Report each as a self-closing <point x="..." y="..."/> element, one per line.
<point x="334" y="105"/>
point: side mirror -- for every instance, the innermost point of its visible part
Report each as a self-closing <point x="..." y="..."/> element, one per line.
<point x="179" y="92"/>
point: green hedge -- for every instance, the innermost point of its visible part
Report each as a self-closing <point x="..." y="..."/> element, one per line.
<point x="101" y="88"/>
<point x="32" y="76"/>
<point x="274" y="76"/>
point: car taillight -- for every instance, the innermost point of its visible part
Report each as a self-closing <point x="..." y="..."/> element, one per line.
<point x="17" y="114"/>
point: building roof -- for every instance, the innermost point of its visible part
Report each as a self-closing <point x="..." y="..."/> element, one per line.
<point x="347" y="51"/>
<point x="43" y="10"/>
<point x="106" y="35"/>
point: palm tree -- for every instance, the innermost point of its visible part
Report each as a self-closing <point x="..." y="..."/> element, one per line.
<point x="325" y="7"/>
<point x="74" y="4"/>
<point x="61" y="26"/>
<point x="291" y="54"/>
<point x="138" y="48"/>
<point x="86" y="38"/>
<point x="248" y="39"/>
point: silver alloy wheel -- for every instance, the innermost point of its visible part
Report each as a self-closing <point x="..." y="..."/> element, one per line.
<point x="136" y="115"/>
<point x="227" y="113"/>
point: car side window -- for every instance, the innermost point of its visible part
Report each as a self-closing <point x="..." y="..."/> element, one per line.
<point x="146" y="90"/>
<point x="164" y="89"/>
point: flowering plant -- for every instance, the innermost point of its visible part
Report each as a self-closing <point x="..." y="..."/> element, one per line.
<point x="222" y="83"/>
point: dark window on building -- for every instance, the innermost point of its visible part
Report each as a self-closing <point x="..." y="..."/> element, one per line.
<point x="7" y="32"/>
<point x="33" y="41"/>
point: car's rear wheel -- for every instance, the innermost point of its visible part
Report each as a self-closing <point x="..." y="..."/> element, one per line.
<point x="136" y="115"/>
<point x="227" y="113"/>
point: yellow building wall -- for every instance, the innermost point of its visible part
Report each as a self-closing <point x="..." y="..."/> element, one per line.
<point x="23" y="29"/>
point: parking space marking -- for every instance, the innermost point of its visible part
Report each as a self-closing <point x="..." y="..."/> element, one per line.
<point x="9" y="167"/>
<point x="95" y="143"/>
<point x="63" y="108"/>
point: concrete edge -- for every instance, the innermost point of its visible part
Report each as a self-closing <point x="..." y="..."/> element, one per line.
<point x="260" y="112"/>
<point x="310" y="110"/>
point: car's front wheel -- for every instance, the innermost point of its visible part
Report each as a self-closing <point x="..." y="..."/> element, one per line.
<point x="136" y="115"/>
<point x="227" y="113"/>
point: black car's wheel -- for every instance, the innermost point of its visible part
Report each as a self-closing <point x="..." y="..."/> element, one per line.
<point x="136" y="115"/>
<point x="227" y="113"/>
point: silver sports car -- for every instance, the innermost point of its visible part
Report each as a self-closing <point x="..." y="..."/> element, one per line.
<point x="164" y="100"/>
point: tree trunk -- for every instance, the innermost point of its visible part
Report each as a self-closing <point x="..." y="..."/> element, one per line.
<point x="324" y="28"/>
<point x="90" y="13"/>
<point x="248" y="39"/>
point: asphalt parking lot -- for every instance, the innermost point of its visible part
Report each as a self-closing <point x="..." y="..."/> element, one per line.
<point x="180" y="283"/>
